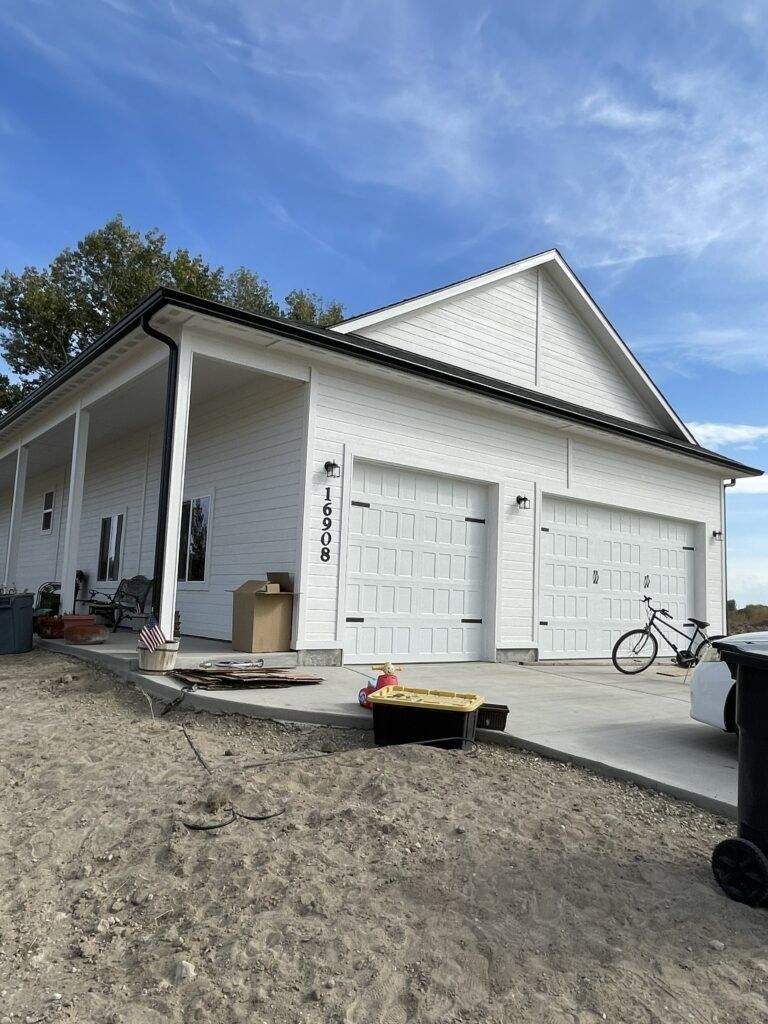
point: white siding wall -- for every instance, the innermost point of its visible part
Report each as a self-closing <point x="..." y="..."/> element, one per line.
<point x="40" y="554"/>
<point x="576" y="367"/>
<point x="402" y="424"/>
<point x="493" y="331"/>
<point x="115" y="485"/>
<point x="245" y="449"/>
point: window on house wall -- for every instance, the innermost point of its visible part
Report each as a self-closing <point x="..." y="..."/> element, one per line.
<point x="193" y="542"/>
<point x="109" y="547"/>
<point x="47" y="524"/>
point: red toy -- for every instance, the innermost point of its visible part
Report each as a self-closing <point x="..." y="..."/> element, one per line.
<point x="387" y="678"/>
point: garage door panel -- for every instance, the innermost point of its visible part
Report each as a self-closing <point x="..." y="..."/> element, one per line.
<point x="415" y="567"/>
<point x="564" y="643"/>
<point x="586" y="603"/>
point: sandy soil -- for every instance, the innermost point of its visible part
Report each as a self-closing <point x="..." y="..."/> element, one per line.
<point x="399" y="885"/>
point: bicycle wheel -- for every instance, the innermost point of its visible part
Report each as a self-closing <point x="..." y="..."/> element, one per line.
<point x="635" y="651"/>
<point x="705" y="643"/>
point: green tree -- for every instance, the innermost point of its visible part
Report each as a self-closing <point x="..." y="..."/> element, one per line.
<point x="48" y="315"/>
<point x="309" y="308"/>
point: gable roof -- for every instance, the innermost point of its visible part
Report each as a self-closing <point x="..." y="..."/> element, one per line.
<point x="565" y="277"/>
<point x="367" y="350"/>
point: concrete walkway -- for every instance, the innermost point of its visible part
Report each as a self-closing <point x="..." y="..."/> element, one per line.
<point x="630" y="727"/>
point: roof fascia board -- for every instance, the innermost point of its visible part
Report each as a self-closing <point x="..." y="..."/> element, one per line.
<point x="450" y="291"/>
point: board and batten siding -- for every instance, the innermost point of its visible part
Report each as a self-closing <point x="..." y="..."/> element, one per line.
<point x="394" y="422"/>
<point x="524" y="331"/>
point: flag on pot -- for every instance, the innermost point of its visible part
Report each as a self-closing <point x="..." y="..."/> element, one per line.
<point x="152" y="637"/>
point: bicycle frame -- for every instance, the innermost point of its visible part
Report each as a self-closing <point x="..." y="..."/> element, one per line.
<point x="655" y="626"/>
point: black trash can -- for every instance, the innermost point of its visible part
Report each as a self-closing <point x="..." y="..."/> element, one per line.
<point x="15" y="623"/>
<point x="740" y="865"/>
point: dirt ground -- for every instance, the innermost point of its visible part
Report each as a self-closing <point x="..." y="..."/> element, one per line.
<point x="399" y="884"/>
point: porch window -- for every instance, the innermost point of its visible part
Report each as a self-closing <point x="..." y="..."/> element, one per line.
<point x="193" y="542"/>
<point x="47" y="523"/>
<point x="109" y="547"/>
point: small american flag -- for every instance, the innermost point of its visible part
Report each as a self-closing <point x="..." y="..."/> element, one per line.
<point x="152" y="637"/>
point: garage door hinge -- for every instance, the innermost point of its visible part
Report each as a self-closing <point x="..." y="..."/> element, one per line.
<point x="354" y="620"/>
<point x="469" y="519"/>
<point x="472" y="620"/>
<point x="687" y="548"/>
<point x="545" y="529"/>
<point x="362" y="504"/>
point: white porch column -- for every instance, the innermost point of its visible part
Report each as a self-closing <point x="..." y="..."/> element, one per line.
<point x="74" y="511"/>
<point x="17" y="511"/>
<point x="176" y="491"/>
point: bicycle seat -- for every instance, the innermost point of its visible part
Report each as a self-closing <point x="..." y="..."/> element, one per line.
<point x="699" y="622"/>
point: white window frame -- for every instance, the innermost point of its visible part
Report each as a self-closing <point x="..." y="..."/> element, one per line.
<point x="121" y="551"/>
<point x="48" y="508"/>
<point x="205" y="583"/>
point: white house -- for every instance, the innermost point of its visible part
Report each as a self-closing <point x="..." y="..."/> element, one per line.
<point x="481" y="472"/>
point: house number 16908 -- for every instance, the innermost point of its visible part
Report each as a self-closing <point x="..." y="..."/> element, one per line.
<point x="325" y="537"/>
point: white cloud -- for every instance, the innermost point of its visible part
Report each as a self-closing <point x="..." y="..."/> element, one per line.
<point x="735" y="434"/>
<point x="610" y="112"/>
<point x="690" y="340"/>
<point x="667" y="156"/>
<point x="748" y="580"/>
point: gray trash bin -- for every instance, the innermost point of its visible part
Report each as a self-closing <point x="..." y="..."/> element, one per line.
<point x="15" y="623"/>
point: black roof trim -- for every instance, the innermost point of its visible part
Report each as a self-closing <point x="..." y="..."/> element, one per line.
<point x="366" y="349"/>
<point x="452" y="284"/>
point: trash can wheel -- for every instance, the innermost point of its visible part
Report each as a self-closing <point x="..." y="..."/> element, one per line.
<point x="741" y="870"/>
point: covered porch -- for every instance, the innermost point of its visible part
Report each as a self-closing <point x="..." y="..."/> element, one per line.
<point x="197" y="496"/>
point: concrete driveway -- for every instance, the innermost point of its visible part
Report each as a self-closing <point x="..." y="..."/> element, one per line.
<point x="630" y="727"/>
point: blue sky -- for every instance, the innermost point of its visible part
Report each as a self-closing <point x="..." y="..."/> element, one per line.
<point x="374" y="150"/>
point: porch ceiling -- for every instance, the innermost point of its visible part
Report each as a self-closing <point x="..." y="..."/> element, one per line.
<point x="141" y="402"/>
<point x="52" y="448"/>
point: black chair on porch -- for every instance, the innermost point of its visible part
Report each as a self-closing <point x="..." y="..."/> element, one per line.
<point x="128" y="600"/>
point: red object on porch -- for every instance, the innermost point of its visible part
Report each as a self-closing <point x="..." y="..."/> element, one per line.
<point x="50" y="627"/>
<point x="387" y="678"/>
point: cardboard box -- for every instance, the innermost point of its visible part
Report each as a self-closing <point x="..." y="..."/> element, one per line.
<point x="262" y="614"/>
<point x="284" y="580"/>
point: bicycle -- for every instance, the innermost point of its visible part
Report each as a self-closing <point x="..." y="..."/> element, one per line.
<point x="636" y="650"/>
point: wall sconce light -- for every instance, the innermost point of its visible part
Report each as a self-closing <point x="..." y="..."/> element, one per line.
<point x="717" y="535"/>
<point x="522" y="501"/>
<point x="332" y="470"/>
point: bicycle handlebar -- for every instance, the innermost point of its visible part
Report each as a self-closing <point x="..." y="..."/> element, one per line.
<point x="661" y="611"/>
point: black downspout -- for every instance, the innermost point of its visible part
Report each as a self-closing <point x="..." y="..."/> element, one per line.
<point x="171" y="388"/>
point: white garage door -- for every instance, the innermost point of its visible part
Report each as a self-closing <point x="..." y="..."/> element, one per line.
<point x="596" y="565"/>
<point x="415" y="567"/>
